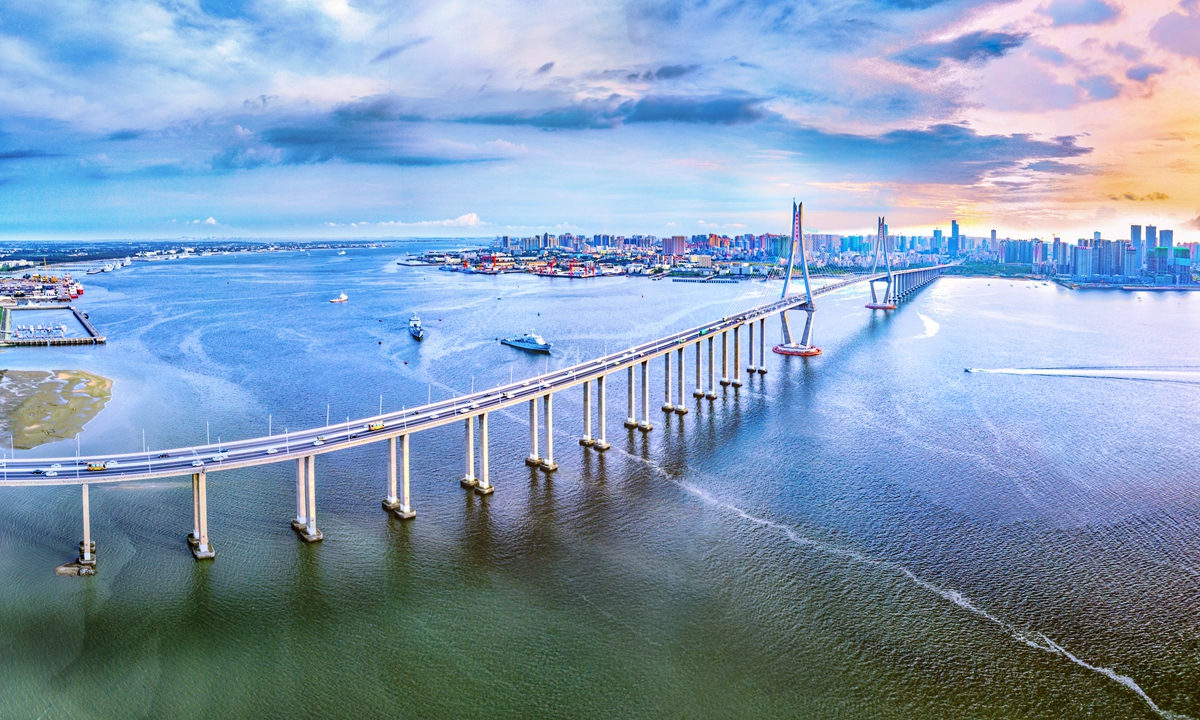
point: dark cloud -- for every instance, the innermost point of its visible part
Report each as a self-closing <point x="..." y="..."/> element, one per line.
<point x="1179" y="32"/>
<point x="7" y="155"/>
<point x="1142" y="73"/>
<point x="713" y="110"/>
<point x="973" y="47"/>
<point x="727" y="109"/>
<point x="545" y="68"/>
<point x="1150" y="197"/>
<point x="1132" y="53"/>
<point x="945" y="154"/>
<point x="1081" y="12"/>
<point x="670" y="72"/>
<point x="395" y="50"/>
<point x="1100" y="87"/>
<point x="122" y="135"/>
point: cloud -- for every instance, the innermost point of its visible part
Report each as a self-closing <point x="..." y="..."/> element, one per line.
<point x="1054" y="56"/>
<point x="1100" y="87"/>
<point x="395" y="50"/>
<point x="1058" y="168"/>
<point x="976" y="47"/>
<point x="940" y="154"/>
<point x="122" y="135"/>
<point x="1193" y="224"/>
<point x="1179" y="32"/>
<point x="209" y="221"/>
<point x="1081" y="12"/>
<point x="1142" y="73"/>
<point x="470" y="220"/>
<point x="1127" y="51"/>
<point x="1150" y="197"/>
<point x="545" y="68"/>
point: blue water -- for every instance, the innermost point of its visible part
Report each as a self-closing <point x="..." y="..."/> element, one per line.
<point x="870" y="533"/>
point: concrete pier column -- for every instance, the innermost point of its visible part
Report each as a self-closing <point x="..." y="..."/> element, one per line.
<point x="548" y="463"/>
<point x="762" y="346"/>
<point x="391" y="502"/>
<point x="725" y="358"/>
<point x="484" y="487"/>
<point x="712" y="371"/>
<point x="602" y="443"/>
<point x="87" y="548"/>
<point x="469" y="481"/>
<point x="699" y="391"/>
<point x="203" y="550"/>
<point x="667" y="406"/>
<point x="630" y="419"/>
<point x="737" y="357"/>
<point x="587" y="440"/>
<point x="751" y="368"/>
<point x="194" y="539"/>
<point x="645" y="425"/>
<point x="307" y="530"/>
<point x="301" y="497"/>
<point x="681" y="406"/>
<point x="534" y="459"/>
<point x="404" y="511"/>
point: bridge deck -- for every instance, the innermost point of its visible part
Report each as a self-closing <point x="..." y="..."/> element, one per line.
<point x="279" y="448"/>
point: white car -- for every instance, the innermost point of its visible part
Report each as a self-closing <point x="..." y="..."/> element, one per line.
<point x="506" y="396"/>
<point x="197" y="463"/>
<point x="111" y="464"/>
<point x="272" y="451"/>
<point x="55" y="466"/>
<point x="320" y="440"/>
<point x="51" y="473"/>
<point x="219" y="457"/>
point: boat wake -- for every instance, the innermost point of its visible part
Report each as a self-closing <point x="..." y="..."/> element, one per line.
<point x="1187" y="375"/>
<point x="931" y="326"/>
<point x="1033" y="639"/>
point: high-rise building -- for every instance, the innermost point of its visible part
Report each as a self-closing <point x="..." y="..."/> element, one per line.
<point x="1166" y="238"/>
<point x="1096" y="235"/>
<point x="1151" y="236"/>
<point x="675" y="245"/>
<point x="1135" y="239"/>
<point x="993" y="239"/>
<point x="955" y="244"/>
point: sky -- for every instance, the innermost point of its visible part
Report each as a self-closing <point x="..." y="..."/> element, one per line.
<point x="332" y="118"/>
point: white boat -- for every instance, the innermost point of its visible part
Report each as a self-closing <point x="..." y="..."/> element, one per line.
<point x="341" y="298"/>
<point x="414" y="327"/>
<point x="529" y="341"/>
<point x="341" y="252"/>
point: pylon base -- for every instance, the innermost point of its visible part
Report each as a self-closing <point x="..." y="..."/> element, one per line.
<point x="797" y="350"/>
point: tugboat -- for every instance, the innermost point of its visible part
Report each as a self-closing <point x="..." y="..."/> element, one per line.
<point x="529" y="341"/>
<point x="341" y="298"/>
<point x="414" y="327"/>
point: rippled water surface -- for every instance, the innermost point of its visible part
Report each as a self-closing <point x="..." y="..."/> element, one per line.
<point x="872" y="533"/>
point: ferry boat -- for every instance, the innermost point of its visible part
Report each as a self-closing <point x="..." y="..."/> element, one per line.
<point x="341" y="298"/>
<point x="414" y="327"/>
<point x="529" y="341"/>
<point x="341" y="252"/>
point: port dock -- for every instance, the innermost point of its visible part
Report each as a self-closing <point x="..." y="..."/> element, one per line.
<point x="6" y="328"/>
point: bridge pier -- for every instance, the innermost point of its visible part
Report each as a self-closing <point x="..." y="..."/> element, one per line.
<point x="751" y="368"/>
<point x="667" y="406"/>
<point x="307" y="490"/>
<point x="725" y="358"/>
<point x="198" y="540"/>
<point x="534" y="459"/>
<point x="737" y="356"/>
<point x="301" y="497"/>
<point x="398" y="506"/>
<point x="587" y="440"/>
<point x="484" y="486"/>
<point x="711" y="393"/>
<point x="645" y="425"/>
<point x="630" y="419"/>
<point x="762" y="346"/>
<point x="87" y="548"/>
<point x="681" y="406"/>
<point x="699" y="391"/>
<point x="548" y="463"/>
<point x="469" y="480"/>
<point x="602" y="443"/>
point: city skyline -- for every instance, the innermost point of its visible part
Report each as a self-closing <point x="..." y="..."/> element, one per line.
<point x="337" y="120"/>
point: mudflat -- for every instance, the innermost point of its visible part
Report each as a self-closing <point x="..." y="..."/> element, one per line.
<point x="42" y="406"/>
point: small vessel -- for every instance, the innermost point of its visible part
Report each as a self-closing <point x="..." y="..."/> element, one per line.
<point x="95" y="271"/>
<point x="341" y="298"/>
<point x="414" y="327"/>
<point x="529" y="341"/>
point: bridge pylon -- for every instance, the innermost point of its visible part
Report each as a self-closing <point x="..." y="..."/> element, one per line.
<point x="789" y="346"/>
<point x="888" y="301"/>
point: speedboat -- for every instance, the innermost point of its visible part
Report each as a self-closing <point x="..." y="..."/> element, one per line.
<point x="341" y="298"/>
<point x="529" y="341"/>
<point x="414" y="327"/>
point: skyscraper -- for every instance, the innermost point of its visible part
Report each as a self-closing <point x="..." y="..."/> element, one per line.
<point x="955" y="243"/>
<point x="1166" y="238"/>
<point x="1135" y="238"/>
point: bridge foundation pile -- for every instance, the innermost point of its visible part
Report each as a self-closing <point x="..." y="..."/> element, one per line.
<point x="198" y="540"/>
<point x="399" y="505"/>
<point x="725" y="359"/>
<point x="534" y="459"/>
<point x="548" y="463"/>
<point x="751" y="367"/>
<point x="711" y="393"/>
<point x="587" y="440"/>
<point x="305" y="523"/>
<point x="667" y="406"/>
<point x="681" y="406"/>
<point x="484" y="485"/>
<point x="699" y="391"/>
<point x="762" y="345"/>
<point x="469" y="480"/>
<point x="630" y="419"/>
<point x="602" y="443"/>
<point x="645" y="425"/>
<point x="737" y="357"/>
